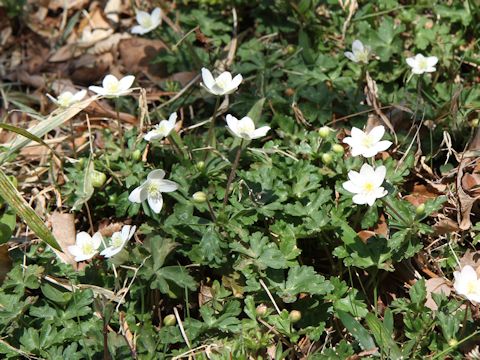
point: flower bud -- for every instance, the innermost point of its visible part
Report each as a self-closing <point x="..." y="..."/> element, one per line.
<point x="97" y="178"/>
<point x="474" y="122"/>
<point x="324" y="131"/>
<point x="261" y="310"/>
<point x="420" y="210"/>
<point x="136" y="155"/>
<point x="169" y="320"/>
<point x="338" y="149"/>
<point x="200" y="165"/>
<point x="327" y="158"/>
<point x="199" y="197"/>
<point x="295" y="316"/>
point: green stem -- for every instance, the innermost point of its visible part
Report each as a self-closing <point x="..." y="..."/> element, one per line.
<point x="177" y="140"/>
<point x="211" y="132"/>
<point x="120" y="128"/>
<point x="232" y="172"/>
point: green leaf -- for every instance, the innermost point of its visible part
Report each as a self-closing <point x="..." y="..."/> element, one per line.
<point x="87" y="187"/>
<point x="11" y="195"/>
<point x="256" y="111"/>
<point x="383" y="337"/>
<point x="357" y="330"/>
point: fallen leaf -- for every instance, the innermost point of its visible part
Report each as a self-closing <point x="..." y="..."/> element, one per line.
<point x="436" y="286"/>
<point x="63" y="229"/>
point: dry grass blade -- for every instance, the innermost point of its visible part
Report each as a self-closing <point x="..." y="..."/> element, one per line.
<point x="11" y="195"/>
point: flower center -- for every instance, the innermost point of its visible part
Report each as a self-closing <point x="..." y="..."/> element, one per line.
<point x="113" y="88"/>
<point x="65" y="99"/>
<point x="367" y="141"/>
<point x="221" y="83"/>
<point x="471" y="287"/>
<point x="117" y="241"/>
<point x="368" y="187"/>
<point x="88" y="249"/>
<point x="422" y="64"/>
<point x="153" y="190"/>
<point x="161" y="129"/>
<point x="362" y="56"/>
<point x="147" y="22"/>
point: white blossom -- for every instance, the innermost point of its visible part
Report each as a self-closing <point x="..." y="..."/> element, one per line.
<point x="67" y="98"/>
<point x="152" y="189"/>
<point x="359" y="53"/>
<point x="245" y="128"/>
<point x="367" y="144"/>
<point x="163" y="129"/>
<point x="118" y="241"/>
<point x="222" y="85"/>
<point x="112" y="87"/>
<point x="366" y="184"/>
<point x="86" y="246"/>
<point x="147" y="22"/>
<point x="467" y="283"/>
<point x="421" y="64"/>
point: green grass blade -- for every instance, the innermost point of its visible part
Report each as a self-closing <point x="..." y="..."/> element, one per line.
<point x="11" y="195"/>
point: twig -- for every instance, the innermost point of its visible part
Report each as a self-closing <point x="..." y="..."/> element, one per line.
<point x="270" y="296"/>
<point x="180" y="325"/>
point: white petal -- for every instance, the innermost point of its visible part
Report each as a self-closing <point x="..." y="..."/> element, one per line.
<point x="411" y="62"/>
<point x="432" y="61"/>
<point x="126" y="82"/>
<point x="79" y="95"/>
<point x="235" y="83"/>
<point x="356" y="133"/>
<point x="207" y="78"/>
<point x="172" y="119"/>
<point x="83" y="257"/>
<point x="109" y="81"/>
<point x="139" y="194"/>
<point x="360" y="199"/>
<point x="377" y="133"/>
<point x="142" y="16"/>
<point x="97" y="240"/>
<point x="97" y="89"/>
<point x="156" y="15"/>
<point x="155" y="204"/>
<point x="357" y="46"/>
<point x="127" y="232"/>
<point x="260" y="132"/>
<point x="74" y="250"/>
<point x="167" y="185"/>
<point x="349" y="55"/>
<point x="225" y="77"/>
<point x="379" y="176"/>
<point x="110" y="251"/>
<point x="152" y="135"/>
<point x="468" y="273"/>
<point x="351" y="187"/>
<point x="82" y="238"/>
<point x="367" y="171"/>
<point x="156" y="174"/>
<point x="138" y="29"/>
<point x="232" y="123"/>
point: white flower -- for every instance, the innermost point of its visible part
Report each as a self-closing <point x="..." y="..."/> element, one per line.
<point x="118" y="241"/>
<point x="222" y="85"/>
<point x="421" y="64"/>
<point x="245" y="128"/>
<point x="163" y="129"/>
<point x="366" y="185"/>
<point x="467" y="283"/>
<point x="86" y="246"/>
<point x="67" y="98"/>
<point x="359" y="53"/>
<point x="151" y="190"/>
<point x="147" y="22"/>
<point x="367" y="144"/>
<point x="112" y="87"/>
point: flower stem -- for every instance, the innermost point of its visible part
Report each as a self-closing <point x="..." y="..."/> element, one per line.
<point x="211" y="132"/>
<point x="232" y="172"/>
<point x="120" y="128"/>
<point x="177" y="142"/>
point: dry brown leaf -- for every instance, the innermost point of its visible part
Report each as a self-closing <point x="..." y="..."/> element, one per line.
<point x="471" y="258"/>
<point x="5" y="262"/>
<point x="127" y="334"/>
<point x="436" y="286"/>
<point x="445" y="225"/>
<point x="136" y="55"/>
<point x="63" y="229"/>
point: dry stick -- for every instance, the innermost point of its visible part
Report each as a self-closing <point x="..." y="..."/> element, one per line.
<point x="180" y="325"/>
<point x="232" y="173"/>
<point x="270" y="296"/>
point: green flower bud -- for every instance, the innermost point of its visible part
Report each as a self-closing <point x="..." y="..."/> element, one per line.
<point x="474" y="122"/>
<point x="261" y="310"/>
<point x="97" y="178"/>
<point x="420" y="210"/>
<point x="324" y="132"/>
<point x="169" y="320"/>
<point x="337" y="148"/>
<point x="327" y="158"/>
<point x="199" y="197"/>
<point x="136" y="155"/>
<point x="295" y="316"/>
<point x="290" y="49"/>
<point x="200" y="165"/>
